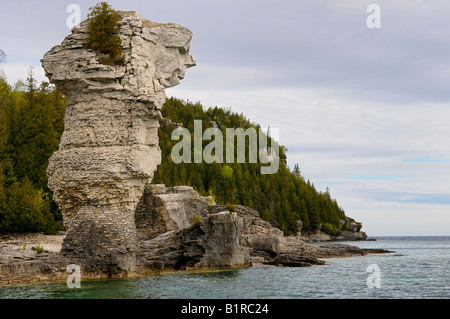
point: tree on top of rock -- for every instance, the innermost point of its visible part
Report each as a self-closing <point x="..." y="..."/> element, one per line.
<point x="103" y="33"/>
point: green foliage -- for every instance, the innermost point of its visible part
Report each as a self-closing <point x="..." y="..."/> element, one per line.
<point x="2" y="60"/>
<point x="26" y="210"/>
<point x="39" y="249"/>
<point x="2" y="56"/>
<point x="31" y="124"/>
<point x="211" y="197"/>
<point x="281" y="198"/>
<point x="231" y="207"/>
<point x="330" y="229"/>
<point x="195" y="221"/>
<point x="22" y="247"/>
<point x="227" y="172"/>
<point x="103" y="34"/>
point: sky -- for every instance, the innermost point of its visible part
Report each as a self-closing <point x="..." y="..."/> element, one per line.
<point x="363" y="111"/>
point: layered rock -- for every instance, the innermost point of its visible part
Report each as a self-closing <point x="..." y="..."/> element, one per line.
<point x="117" y="224"/>
<point x="164" y="209"/>
<point x="352" y="232"/>
<point x="182" y="230"/>
<point x="178" y="230"/>
<point x="109" y="149"/>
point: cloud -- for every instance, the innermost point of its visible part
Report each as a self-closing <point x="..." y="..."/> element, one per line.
<point x="318" y="45"/>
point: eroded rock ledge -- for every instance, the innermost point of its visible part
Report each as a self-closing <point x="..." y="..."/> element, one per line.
<point x="190" y="232"/>
<point x="177" y="229"/>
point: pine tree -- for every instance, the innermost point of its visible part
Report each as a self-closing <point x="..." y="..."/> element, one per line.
<point x="297" y="171"/>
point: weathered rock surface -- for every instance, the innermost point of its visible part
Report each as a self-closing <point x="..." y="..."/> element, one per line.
<point x="163" y="209"/>
<point x="180" y="230"/>
<point x="352" y="233"/>
<point x="220" y="238"/>
<point x="109" y="149"/>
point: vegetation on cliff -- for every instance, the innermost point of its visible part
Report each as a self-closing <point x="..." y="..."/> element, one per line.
<point x="31" y="124"/>
<point x="281" y="199"/>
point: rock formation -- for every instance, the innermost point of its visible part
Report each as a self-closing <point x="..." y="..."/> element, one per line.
<point x="352" y="232"/>
<point x="174" y="238"/>
<point x="109" y="150"/>
<point x="178" y="230"/>
<point x="118" y="224"/>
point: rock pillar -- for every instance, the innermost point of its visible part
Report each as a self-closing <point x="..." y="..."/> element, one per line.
<point x="109" y="149"/>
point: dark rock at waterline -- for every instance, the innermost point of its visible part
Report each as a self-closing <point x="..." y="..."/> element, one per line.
<point x="377" y="251"/>
<point x="290" y="260"/>
<point x="180" y="230"/>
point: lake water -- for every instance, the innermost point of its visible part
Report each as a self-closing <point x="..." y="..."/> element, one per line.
<point x="423" y="271"/>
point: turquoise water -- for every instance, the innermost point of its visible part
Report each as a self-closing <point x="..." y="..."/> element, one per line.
<point x="423" y="271"/>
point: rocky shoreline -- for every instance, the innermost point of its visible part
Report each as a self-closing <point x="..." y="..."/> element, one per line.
<point x="178" y="230"/>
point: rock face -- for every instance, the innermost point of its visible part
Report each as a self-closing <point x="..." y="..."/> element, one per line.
<point x="178" y="230"/>
<point x="352" y="233"/>
<point x="109" y="149"/>
<point x="181" y="230"/>
<point x="163" y="209"/>
<point x="117" y="223"/>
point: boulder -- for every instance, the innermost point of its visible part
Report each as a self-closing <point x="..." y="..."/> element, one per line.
<point x="211" y="243"/>
<point x="163" y="209"/>
<point x="221" y="241"/>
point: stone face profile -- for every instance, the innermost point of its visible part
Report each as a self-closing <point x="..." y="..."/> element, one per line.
<point x="109" y="149"/>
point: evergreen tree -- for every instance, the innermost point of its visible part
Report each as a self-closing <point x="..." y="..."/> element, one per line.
<point x="103" y="34"/>
<point x="282" y="198"/>
<point x="31" y="124"/>
<point x="297" y="171"/>
<point x="2" y="60"/>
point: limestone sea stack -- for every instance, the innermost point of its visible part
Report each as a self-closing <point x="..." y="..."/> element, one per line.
<point x="109" y="149"/>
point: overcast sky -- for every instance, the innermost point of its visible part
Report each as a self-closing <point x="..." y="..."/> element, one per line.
<point x="363" y="111"/>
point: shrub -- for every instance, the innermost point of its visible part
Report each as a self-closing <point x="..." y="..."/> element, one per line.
<point x="39" y="249"/>
<point x="103" y="35"/>
<point x="231" y="207"/>
<point x="26" y="210"/>
<point x="195" y="221"/>
<point x="330" y="229"/>
<point x="211" y="197"/>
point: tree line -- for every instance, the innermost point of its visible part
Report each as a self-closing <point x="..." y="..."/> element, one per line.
<point x="32" y="123"/>
<point x="281" y="199"/>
